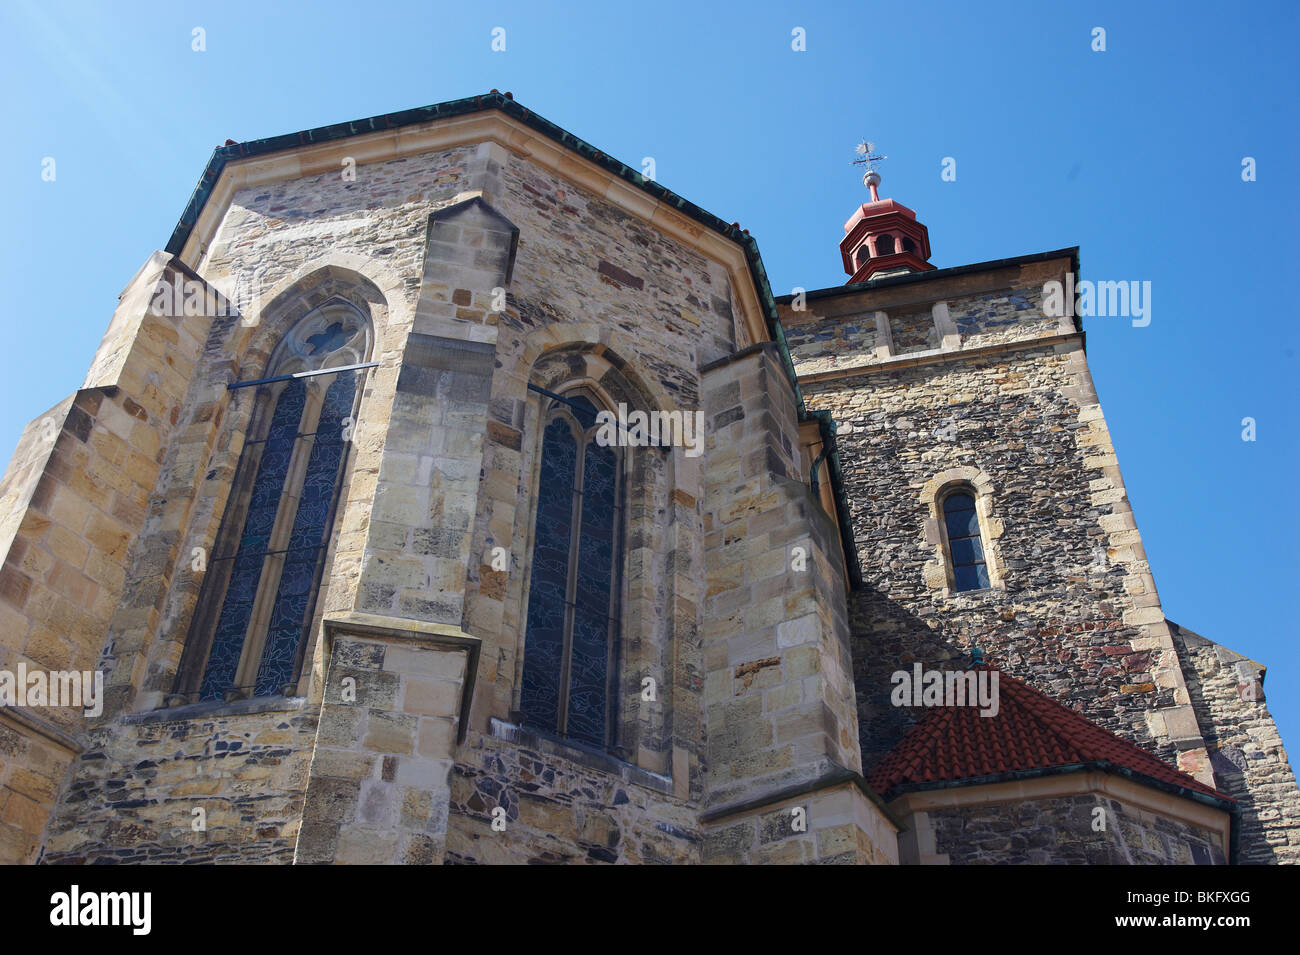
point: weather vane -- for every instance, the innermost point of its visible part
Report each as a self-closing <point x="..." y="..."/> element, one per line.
<point x="867" y="151"/>
<point x="867" y="158"/>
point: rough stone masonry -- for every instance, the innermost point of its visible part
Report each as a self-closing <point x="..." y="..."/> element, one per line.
<point x="496" y="267"/>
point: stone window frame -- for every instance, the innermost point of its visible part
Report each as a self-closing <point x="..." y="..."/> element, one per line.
<point x="291" y="354"/>
<point x="938" y="572"/>
<point x="646" y="633"/>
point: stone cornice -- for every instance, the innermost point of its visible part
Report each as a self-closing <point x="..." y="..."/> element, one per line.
<point x="938" y="357"/>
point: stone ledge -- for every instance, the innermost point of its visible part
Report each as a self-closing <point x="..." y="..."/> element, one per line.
<point x="418" y="632"/>
<point x="218" y="708"/>
<point x="838" y="776"/>
<point x="737" y="356"/>
<point x="582" y="755"/>
<point x="42" y="728"/>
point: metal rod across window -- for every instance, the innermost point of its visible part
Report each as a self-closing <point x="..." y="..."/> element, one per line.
<point x="299" y="374"/>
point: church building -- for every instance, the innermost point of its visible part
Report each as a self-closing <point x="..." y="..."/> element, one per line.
<point x="447" y="492"/>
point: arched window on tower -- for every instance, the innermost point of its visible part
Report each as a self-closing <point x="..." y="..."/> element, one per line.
<point x="570" y="647"/>
<point x="885" y="244"/>
<point x="965" y="546"/>
<point x="250" y="627"/>
<point x="908" y="245"/>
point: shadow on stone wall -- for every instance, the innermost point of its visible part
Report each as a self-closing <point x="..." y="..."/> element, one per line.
<point x="887" y="637"/>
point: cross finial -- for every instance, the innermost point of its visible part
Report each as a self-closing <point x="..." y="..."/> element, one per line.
<point x="867" y="158"/>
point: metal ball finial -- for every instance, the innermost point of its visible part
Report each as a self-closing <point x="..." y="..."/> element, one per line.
<point x="867" y="158"/>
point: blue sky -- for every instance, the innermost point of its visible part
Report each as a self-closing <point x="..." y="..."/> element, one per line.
<point x="1134" y="154"/>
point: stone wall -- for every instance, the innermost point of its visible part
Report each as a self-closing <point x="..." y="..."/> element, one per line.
<point x="377" y="790"/>
<point x="77" y="497"/>
<point x="1006" y="315"/>
<point x="421" y="247"/>
<point x="778" y="690"/>
<point x="132" y="795"/>
<point x="779" y="697"/>
<point x="1004" y="403"/>
<point x="1246" y="752"/>
<point x="1060" y="619"/>
<point x="601" y="299"/>
<point x="562" y="805"/>
<point x="834" y="825"/>
<point x="1060" y="831"/>
<point x="819" y="344"/>
<point x="33" y="764"/>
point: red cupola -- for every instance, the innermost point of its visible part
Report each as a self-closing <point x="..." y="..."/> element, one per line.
<point x="883" y="238"/>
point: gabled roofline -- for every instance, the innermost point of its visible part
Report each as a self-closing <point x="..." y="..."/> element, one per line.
<point x="504" y="103"/>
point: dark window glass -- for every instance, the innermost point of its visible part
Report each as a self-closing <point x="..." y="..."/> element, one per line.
<point x="970" y="578"/>
<point x="589" y="667"/>
<point x="259" y="589"/>
<point x="264" y="501"/>
<point x="291" y="566"/>
<point x="567" y="645"/>
<point x="965" y="550"/>
<point x="548" y="590"/>
<point x="884" y="245"/>
<point x="290" y="616"/>
<point x="959" y="517"/>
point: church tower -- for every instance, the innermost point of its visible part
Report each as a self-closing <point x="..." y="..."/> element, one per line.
<point x="989" y="512"/>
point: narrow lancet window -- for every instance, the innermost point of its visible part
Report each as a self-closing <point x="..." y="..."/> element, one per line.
<point x="569" y="640"/>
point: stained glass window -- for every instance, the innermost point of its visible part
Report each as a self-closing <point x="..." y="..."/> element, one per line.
<point x="289" y="616"/>
<point x="576" y="556"/>
<point x="965" y="549"/>
<point x="264" y="574"/>
<point x="548" y="593"/>
<point x="263" y="504"/>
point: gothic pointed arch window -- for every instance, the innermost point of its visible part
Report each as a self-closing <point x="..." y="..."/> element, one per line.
<point x="251" y="625"/>
<point x="570" y="645"/>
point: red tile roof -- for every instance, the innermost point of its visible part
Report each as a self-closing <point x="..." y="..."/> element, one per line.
<point x="1029" y="732"/>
